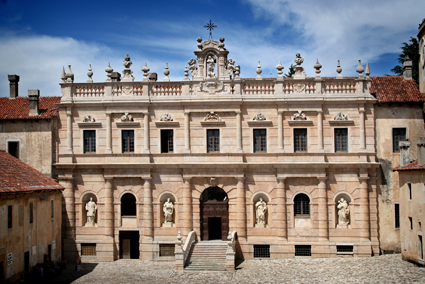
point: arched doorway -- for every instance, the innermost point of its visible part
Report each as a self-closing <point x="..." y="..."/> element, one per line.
<point x="214" y="214"/>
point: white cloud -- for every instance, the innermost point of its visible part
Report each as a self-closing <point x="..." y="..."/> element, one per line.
<point x="345" y="30"/>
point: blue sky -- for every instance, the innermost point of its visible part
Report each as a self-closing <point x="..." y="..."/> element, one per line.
<point x="37" y="38"/>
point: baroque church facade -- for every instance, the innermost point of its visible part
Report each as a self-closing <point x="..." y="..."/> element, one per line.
<point x="289" y="164"/>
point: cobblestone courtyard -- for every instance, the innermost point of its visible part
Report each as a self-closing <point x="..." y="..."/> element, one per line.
<point x="380" y="269"/>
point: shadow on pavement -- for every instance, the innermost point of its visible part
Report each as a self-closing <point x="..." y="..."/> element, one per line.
<point x="70" y="274"/>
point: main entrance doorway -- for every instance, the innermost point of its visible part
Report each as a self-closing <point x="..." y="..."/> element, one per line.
<point x="129" y="244"/>
<point x="214" y="214"/>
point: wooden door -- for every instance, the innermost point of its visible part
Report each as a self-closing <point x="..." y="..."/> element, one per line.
<point x="125" y="245"/>
<point x="214" y="209"/>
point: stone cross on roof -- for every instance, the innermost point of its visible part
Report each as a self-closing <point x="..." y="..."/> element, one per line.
<point x="210" y="26"/>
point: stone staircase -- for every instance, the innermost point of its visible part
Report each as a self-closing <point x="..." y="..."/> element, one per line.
<point x="207" y="255"/>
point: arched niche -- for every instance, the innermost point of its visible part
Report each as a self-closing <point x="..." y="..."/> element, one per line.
<point x="260" y="199"/>
<point x="339" y="207"/>
<point x="84" y="200"/>
<point x="163" y="199"/>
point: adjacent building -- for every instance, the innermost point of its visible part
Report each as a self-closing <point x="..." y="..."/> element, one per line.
<point x="28" y="127"/>
<point x="30" y="218"/>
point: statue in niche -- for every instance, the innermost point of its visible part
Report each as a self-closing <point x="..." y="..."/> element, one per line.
<point x="260" y="212"/>
<point x="91" y="208"/>
<point x="211" y="66"/>
<point x="343" y="214"/>
<point x="168" y="209"/>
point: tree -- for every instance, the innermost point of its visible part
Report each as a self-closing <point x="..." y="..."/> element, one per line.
<point x="291" y="71"/>
<point x="412" y="50"/>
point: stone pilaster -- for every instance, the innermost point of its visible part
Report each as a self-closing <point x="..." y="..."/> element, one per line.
<point x="146" y="132"/>
<point x="281" y="208"/>
<point x="109" y="208"/>
<point x="186" y="216"/>
<point x="241" y="208"/>
<point x="108" y="134"/>
<point x="363" y="217"/>
<point x="320" y="131"/>
<point x="238" y="132"/>
<point x="362" y="130"/>
<point x="187" y="132"/>
<point x="69" y="197"/>
<point x="69" y="131"/>
<point x="148" y="218"/>
<point x="280" y="144"/>
<point x="322" y="208"/>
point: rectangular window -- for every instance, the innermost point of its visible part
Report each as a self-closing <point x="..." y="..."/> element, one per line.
<point x="260" y="140"/>
<point x="89" y="141"/>
<point x="167" y="143"/>
<point x="88" y="249"/>
<point x="261" y="251"/>
<point x="302" y="250"/>
<point x="213" y="140"/>
<point x="409" y="191"/>
<point x="344" y="249"/>
<point x="13" y="149"/>
<point x="411" y="223"/>
<point x="341" y="139"/>
<point x="167" y="249"/>
<point x="397" y="215"/>
<point x="31" y="212"/>
<point x="399" y="134"/>
<point x="420" y="248"/>
<point x="300" y="140"/>
<point x="127" y="141"/>
<point x="9" y="216"/>
<point x="52" y="208"/>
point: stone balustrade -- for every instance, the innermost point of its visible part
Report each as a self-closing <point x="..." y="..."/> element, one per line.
<point x="244" y="87"/>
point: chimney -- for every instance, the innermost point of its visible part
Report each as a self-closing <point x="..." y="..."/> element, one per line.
<point x="421" y="151"/>
<point x="404" y="152"/>
<point x="14" y="80"/>
<point x="407" y="68"/>
<point x="33" y="96"/>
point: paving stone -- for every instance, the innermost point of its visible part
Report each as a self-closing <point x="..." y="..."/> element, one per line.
<point x="379" y="269"/>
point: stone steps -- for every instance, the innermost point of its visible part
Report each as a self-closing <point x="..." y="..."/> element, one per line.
<point x="207" y="255"/>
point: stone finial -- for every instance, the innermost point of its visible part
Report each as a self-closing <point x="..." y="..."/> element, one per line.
<point x="360" y="69"/>
<point x="299" y="70"/>
<point x="90" y="74"/>
<point x="186" y="73"/>
<point x="407" y="68"/>
<point x="237" y="71"/>
<point x="221" y="44"/>
<point x="279" y="68"/>
<point x="367" y="72"/>
<point x="259" y="70"/>
<point x="166" y="73"/>
<point x="199" y="40"/>
<point x="109" y="71"/>
<point x="69" y="75"/>
<point x="127" y="77"/>
<point x="317" y="66"/>
<point x="63" y="78"/>
<point x="339" y="70"/>
<point x="145" y="70"/>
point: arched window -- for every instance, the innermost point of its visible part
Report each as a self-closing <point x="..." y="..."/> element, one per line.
<point x="302" y="205"/>
<point x="128" y="205"/>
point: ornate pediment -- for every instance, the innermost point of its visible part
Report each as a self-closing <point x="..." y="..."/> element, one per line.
<point x="89" y="121"/>
<point x="126" y="117"/>
<point x="340" y="116"/>
<point x="88" y="118"/>
<point x="166" y="117"/>
<point x="212" y="118"/>
<point x="259" y="116"/>
<point x="299" y="115"/>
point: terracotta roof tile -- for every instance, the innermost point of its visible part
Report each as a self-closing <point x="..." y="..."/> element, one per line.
<point x="413" y="166"/>
<point x="395" y="89"/>
<point x="16" y="176"/>
<point x="19" y="108"/>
